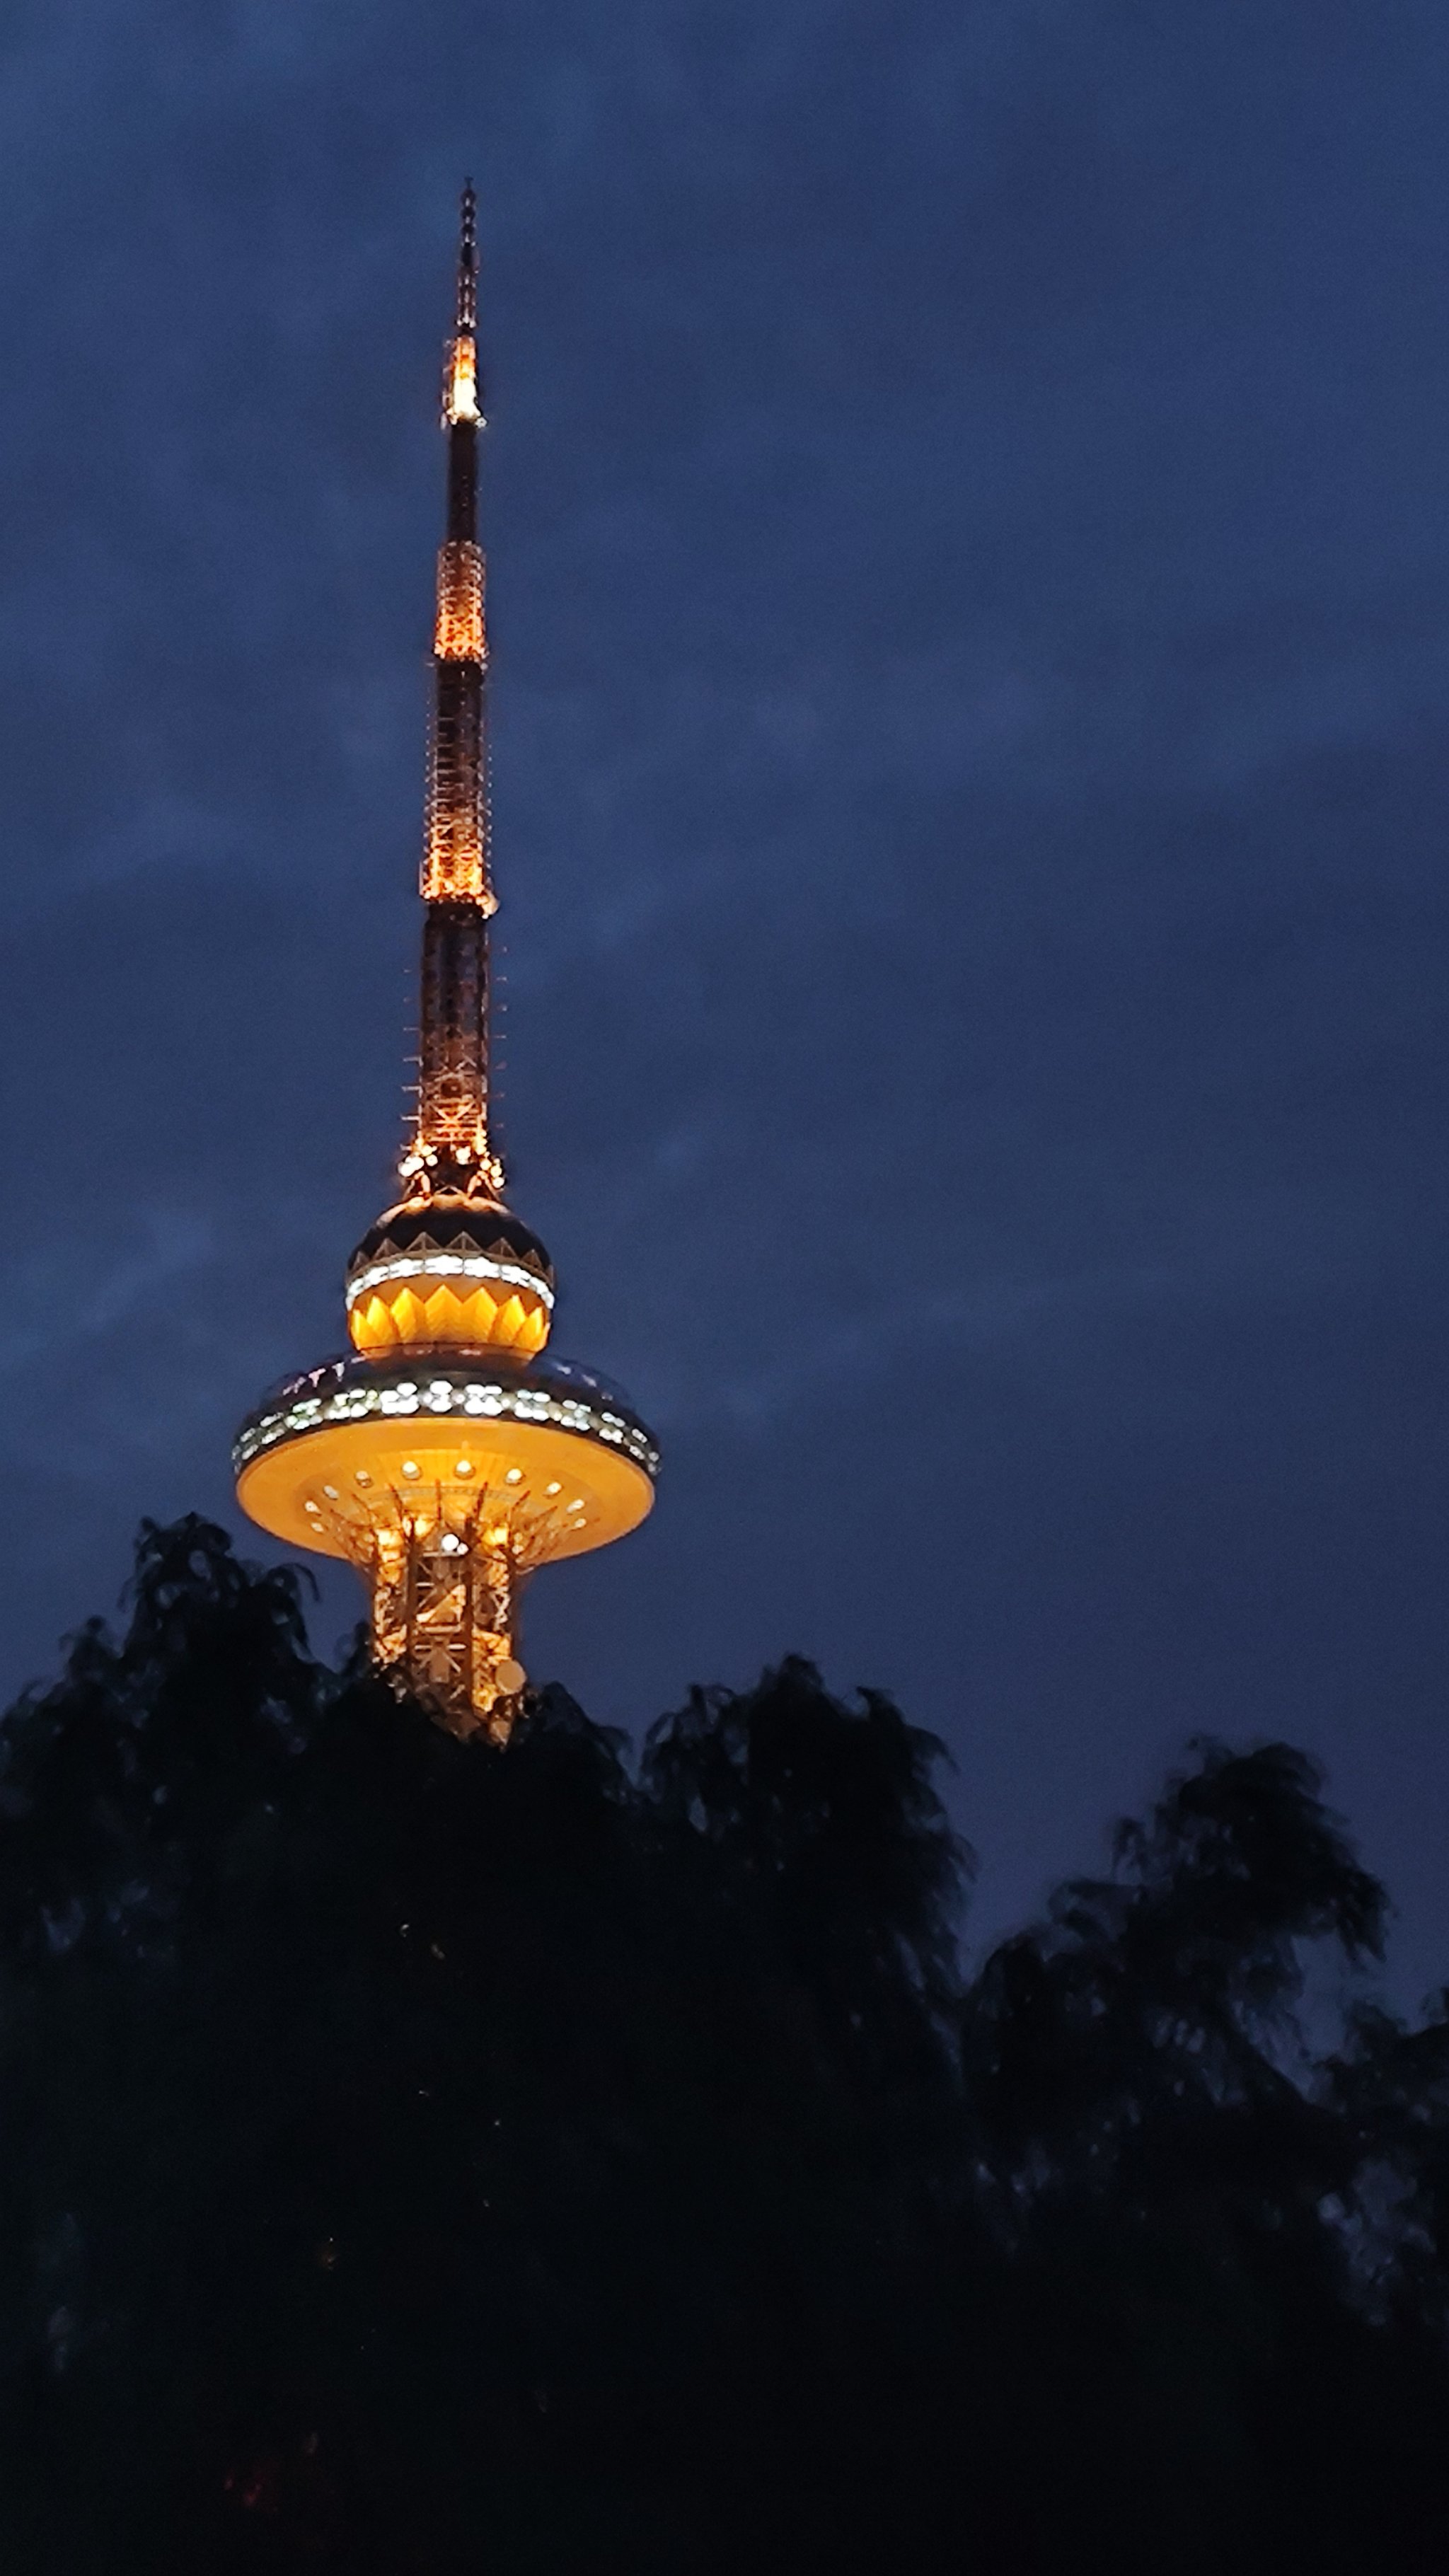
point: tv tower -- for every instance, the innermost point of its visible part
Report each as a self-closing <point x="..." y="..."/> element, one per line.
<point x="447" y="1456"/>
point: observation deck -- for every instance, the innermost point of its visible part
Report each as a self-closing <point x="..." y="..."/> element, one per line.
<point x="447" y="1477"/>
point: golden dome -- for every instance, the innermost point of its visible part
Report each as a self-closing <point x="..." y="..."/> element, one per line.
<point x="446" y="1273"/>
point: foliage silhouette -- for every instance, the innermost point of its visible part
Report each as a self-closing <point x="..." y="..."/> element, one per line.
<point x="421" y="2159"/>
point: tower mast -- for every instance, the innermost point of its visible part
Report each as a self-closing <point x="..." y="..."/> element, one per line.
<point x="450" y="1148"/>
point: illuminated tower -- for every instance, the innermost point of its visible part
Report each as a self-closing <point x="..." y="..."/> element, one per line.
<point x="447" y="1456"/>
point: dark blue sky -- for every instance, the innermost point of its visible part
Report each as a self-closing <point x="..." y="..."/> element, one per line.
<point x="969" y="561"/>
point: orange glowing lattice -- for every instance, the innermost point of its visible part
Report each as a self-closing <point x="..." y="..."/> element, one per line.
<point x="458" y="635"/>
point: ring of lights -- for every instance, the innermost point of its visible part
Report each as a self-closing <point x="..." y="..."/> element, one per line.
<point x="352" y="1444"/>
<point x="447" y="1265"/>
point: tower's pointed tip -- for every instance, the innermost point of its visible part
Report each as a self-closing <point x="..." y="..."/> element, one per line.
<point x="468" y="259"/>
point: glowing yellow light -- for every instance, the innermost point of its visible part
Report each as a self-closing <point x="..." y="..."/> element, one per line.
<point x="405" y="1304"/>
<point x="467" y="1617"/>
<point x="458" y="634"/>
<point x="462" y="398"/>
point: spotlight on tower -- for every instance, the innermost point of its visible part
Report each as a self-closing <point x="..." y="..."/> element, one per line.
<point x="448" y="1455"/>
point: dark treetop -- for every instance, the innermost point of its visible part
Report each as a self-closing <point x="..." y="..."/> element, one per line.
<point x="421" y="2160"/>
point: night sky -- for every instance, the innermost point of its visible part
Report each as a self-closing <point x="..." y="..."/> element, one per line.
<point x="969" y="573"/>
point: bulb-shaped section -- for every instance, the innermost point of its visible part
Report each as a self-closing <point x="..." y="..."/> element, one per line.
<point x="450" y="1273"/>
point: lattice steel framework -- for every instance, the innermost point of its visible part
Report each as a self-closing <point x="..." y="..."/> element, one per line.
<point x="445" y="1573"/>
<point x="451" y="1147"/>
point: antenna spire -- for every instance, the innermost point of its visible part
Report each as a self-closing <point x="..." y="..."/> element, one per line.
<point x="468" y="260"/>
<point x="450" y="1148"/>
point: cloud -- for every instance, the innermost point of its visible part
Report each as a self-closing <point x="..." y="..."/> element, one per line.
<point x="59" y="1296"/>
<point x="969" y="607"/>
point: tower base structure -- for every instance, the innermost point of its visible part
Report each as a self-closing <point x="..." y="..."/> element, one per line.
<point x="447" y="1476"/>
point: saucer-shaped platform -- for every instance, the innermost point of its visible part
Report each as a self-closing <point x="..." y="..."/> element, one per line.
<point x="360" y="1446"/>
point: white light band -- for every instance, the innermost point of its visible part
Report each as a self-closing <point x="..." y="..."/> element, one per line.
<point x="475" y="1399"/>
<point x="448" y="1265"/>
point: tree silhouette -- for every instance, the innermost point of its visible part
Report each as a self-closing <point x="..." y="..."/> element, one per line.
<point x="414" y="2158"/>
